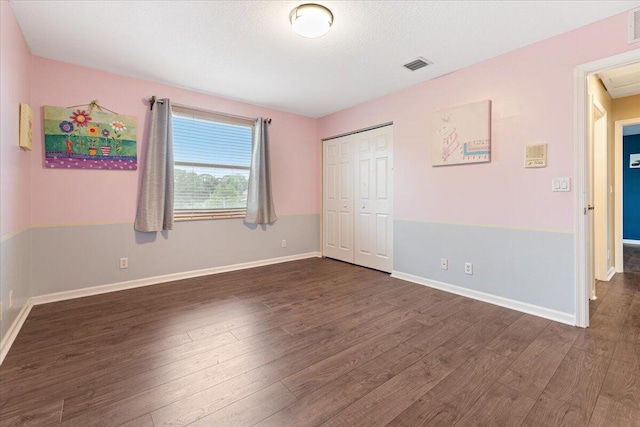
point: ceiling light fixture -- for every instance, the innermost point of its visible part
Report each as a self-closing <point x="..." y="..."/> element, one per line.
<point x="311" y="20"/>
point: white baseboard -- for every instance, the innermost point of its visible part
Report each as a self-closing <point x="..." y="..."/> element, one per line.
<point x="12" y="332"/>
<point x="610" y="273"/>
<point x="535" y="310"/>
<point x="631" y="242"/>
<point x="147" y="281"/>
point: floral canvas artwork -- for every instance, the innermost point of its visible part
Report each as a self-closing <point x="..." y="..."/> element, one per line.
<point x="83" y="138"/>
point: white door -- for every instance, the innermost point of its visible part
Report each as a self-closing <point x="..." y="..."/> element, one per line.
<point x="358" y="198"/>
<point x="600" y="195"/>
<point x="338" y="199"/>
<point x="374" y="199"/>
<point x="589" y="237"/>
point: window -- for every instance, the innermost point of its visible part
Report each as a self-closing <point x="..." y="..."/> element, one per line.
<point x="212" y="156"/>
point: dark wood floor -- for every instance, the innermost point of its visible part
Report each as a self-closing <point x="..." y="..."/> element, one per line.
<point x="319" y="342"/>
<point x="631" y="258"/>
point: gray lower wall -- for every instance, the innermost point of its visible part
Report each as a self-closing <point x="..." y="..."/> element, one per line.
<point x="15" y="274"/>
<point x="535" y="267"/>
<point x="70" y="258"/>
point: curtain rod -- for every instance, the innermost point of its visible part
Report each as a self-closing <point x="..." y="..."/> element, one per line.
<point x="153" y="100"/>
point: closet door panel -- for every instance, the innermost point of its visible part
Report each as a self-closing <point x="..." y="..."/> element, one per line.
<point x="338" y="199"/>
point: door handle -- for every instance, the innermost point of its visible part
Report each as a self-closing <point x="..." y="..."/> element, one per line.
<point x="590" y="207"/>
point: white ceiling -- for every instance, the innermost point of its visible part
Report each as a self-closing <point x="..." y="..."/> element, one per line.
<point x="623" y="81"/>
<point x="246" y="50"/>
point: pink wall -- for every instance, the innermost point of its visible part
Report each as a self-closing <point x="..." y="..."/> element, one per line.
<point x="79" y="196"/>
<point x="15" y="76"/>
<point x="532" y="94"/>
<point x="531" y="90"/>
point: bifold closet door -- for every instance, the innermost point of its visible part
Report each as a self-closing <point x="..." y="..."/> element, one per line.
<point x="337" y="198"/>
<point x="358" y="198"/>
<point x="374" y="199"/>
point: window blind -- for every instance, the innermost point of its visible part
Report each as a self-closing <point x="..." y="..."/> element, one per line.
<point x="212" y="156"/>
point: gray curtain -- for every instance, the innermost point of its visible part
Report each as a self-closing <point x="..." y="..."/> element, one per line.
<point x="260" y="209"/>
<point x="155" y="201"/>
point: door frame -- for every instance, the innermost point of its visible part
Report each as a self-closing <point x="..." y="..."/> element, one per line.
<point x="618" y="202"/>
<point x="582" y="175"/>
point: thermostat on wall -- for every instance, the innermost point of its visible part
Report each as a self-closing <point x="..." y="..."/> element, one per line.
<point x="535" y="156"/>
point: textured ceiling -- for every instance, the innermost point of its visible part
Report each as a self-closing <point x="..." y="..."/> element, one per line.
<point x="246" y="50"/>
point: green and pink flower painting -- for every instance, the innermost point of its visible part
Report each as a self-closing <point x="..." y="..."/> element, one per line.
<point x="82" y="138"/>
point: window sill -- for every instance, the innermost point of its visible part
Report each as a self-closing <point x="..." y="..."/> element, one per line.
<point x="201" y="216"/>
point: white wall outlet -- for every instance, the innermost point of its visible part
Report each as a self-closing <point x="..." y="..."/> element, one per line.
<point x="444" y="264"/>
<point x="124" y="262"/>
<point x="284" y="243"/>
<point x="11" y="299"/>
<point x="468" y="268"/>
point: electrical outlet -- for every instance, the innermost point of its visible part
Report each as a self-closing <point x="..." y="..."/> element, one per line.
<point x="284" y="243"/>
<point x="468" y="268"/>
<point x="444" y="264"/>
<point x="124" y="263"/>
<point x="10" y="299"/>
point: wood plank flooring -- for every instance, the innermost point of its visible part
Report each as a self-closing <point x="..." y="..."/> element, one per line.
<point x="631" y="258"/>
<point x="319" y="342"/>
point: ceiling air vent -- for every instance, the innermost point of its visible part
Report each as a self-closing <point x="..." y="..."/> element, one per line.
<point x="634" y="25"/>
<point x="417" y="64"/>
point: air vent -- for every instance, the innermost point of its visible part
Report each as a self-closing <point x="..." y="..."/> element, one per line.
<point x="634" y="25"/>
<point x="417" y="64"/>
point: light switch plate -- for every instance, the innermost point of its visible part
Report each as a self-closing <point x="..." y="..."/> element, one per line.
<point x="561" y="184"/>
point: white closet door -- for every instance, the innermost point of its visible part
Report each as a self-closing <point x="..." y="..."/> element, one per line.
<point x="374" y="199"/>
<point x="338" y="199"/>
<point x="358" y="198"/>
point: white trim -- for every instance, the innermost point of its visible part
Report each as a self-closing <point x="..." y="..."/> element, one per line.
<point x="581" y="173"/>
<point x="353" y="132"/>
<point x="581" y="198"/>
<point x="12" y="333"/>
<point x="147" y="281"/>
<point x="535" y="310"/>
<point x="631" y="242"/>
<point x="13" y="330"/>
<point x="610" y="273"/>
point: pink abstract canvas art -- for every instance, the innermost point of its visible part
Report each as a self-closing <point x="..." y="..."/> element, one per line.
<point x="462" y="134"/>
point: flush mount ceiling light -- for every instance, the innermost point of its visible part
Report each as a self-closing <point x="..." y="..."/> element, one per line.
<point x="311" y="20"/>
